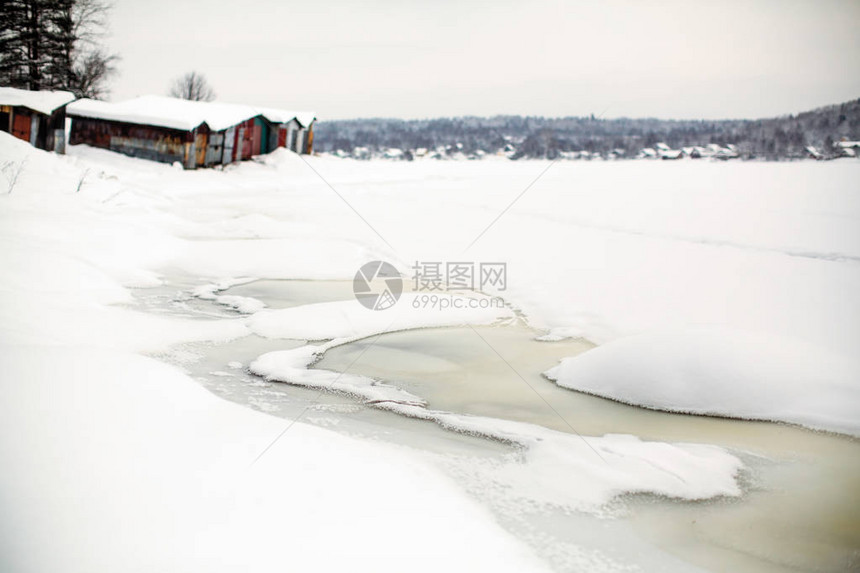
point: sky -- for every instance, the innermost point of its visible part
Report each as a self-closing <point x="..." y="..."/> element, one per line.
<point x="690" y="59"/>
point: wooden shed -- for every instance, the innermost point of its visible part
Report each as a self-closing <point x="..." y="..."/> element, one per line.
<point x="195" y="134"/>
<point x="38" y="117"/>
<point x="291" y="129"/>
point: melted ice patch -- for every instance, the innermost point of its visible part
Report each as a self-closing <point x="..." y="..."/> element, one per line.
<point x="556" y="468"/>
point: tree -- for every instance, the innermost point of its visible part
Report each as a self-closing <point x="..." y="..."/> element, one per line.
<point x="55" y="44"/>
<point x="192" y="86"/>
<point x="90" y="74"/>
<point x="87" y="64"/>
<point x="13" y="47"/>
<point x="22" y="30"/>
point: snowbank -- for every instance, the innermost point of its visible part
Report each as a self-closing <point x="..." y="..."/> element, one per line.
<point x="115" y="461"/>
<point x="241" y="304"/>
<point x="348" y="319"/>
<point x="722" y="373"/>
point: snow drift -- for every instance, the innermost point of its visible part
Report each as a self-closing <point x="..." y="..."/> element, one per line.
<point x="721" y="372"/>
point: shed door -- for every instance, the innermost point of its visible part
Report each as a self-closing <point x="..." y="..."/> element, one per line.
<point x="214" y="151"/>
<point x="59" y="145"/>
<point x="200" y="145"/>
<point x="241" y="142"/>
<point x="257" y="139"/>
<point x="291" y="138"/>
<point x="229" y="138"/>
<point x="34" y="130"/>
<point x="21" y="126"/>
<point x="300" y="141"/>
<point x="5" y="114"/>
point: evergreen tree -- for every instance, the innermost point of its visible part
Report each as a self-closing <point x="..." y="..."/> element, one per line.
<point x="13" y="49"/>
<point x="54" y="44"/>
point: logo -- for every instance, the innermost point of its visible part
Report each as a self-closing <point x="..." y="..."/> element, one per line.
<point x="377" y="285"/>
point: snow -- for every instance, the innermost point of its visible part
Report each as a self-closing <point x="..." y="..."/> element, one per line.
<point x="347" y="319"/>
<point x="115" y="460"/>
<point x="633" y="256"/>
<point x="241" y="304"/>
<point x="181" y="114"/>
<point x="164" y="111"/>
<point x="305" y="118"/>
<point x="585" y="473"/>
<point x="291" y="366"/>
<point x="722" y="373"/>
<point x="140" y="468"/>
<point x="42" y="101"/>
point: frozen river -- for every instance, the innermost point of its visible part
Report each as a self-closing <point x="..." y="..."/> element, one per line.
<point x="133" y="391"/>
<point x="799" y="509"/>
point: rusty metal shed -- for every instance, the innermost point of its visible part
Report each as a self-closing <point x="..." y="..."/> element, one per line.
<point x="291" y="129"/>
<point x="196" y="134"/>
<point x="38" y="117"/>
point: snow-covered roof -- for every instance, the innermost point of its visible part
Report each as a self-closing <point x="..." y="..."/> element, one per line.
<point x="43" y="101"/>
<point x="181" y="114"/>
<point x="305" y="118"/>
<point x="167" y="112"/>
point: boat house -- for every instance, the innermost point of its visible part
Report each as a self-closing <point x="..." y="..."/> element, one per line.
<point x="38" y="117"/>
<point x="195" y="134"/>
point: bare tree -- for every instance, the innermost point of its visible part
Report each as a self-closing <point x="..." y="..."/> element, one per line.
<point x="91" y="72"/>
<point x="91" y="66"/>
<point x="192" y="86"/>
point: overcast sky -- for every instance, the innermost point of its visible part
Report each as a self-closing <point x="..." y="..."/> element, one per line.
<point x="343" y="58"/>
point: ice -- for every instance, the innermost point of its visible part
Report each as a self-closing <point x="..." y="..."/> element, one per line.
<point x="241" y="304"/>
<point x="560" y="469"/>
<point x="722" y="372"/>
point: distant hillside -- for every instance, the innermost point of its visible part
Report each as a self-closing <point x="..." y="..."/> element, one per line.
<point x="785" y="137"/>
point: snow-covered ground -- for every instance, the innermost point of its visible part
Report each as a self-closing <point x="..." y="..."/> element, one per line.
<point x="112" y="460"/>
<point x="112" y="457"/>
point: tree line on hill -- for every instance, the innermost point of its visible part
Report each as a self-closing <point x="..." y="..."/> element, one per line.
<point x="784" y="137"/>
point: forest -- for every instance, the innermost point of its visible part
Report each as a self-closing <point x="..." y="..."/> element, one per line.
<point x="777" y="138"/>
